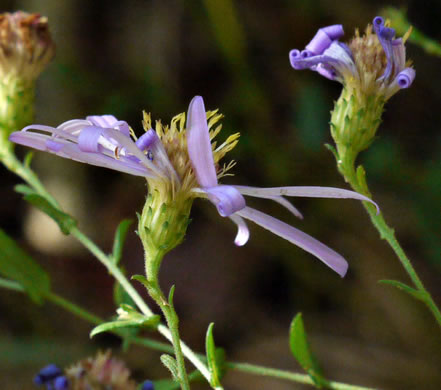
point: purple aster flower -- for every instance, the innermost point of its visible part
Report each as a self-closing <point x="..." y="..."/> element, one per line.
<point x="179" y="164"/>
<point x="230" y="202"/>
<point x="372" y="63"/>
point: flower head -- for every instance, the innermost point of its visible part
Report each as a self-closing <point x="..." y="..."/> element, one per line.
<point x="373" y="63"/>
<point x="180" y="164"/>
<point x="26" y="46"/>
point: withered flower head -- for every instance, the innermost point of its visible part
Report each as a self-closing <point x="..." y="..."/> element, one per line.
<point x="26" y="45"/>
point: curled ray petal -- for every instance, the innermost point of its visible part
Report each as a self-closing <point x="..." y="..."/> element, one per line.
<point x="147" y="139"/>
<point x="288" y="205"/>
<point x="319" y="43"/>
<point x="325" y="71"/>
<point x="159" y="155"/>
<point x="74" y="125"/>
<point x="123" y="127"/>
<point x="334" y="32"/>
<point x="52" y="131"/>
<point x="243" y="233"/>
<point x="327" y="255"/>
<point x="72" y="152"/>
<point x="88" y="139"/>
<point x="405" y="78"/>
<point x="33" y="140"/>
<point x="385" y="36"/>
<point x="254" y="191"/>
<point x="54" y="146"/>
<point x="107" y="121"/>
<point x="130" y="146"/>
<point x="305" y="191"/>
<point x="199" y="146"/>
<point x="227" y="199"/>
<point x="399" y="54"/>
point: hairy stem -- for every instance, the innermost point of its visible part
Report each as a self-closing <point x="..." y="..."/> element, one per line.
<point x="359" y="184"/>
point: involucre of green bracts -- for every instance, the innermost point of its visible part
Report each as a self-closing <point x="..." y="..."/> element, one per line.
<point x="16" y="105"/>
<point x="354" y="123"/>
<point x="162" y="226"/>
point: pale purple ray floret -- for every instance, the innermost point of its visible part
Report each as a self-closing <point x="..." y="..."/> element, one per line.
<point x="230" y="202"/>
<point x="105" y="141"/>
<point x="326" y="55"/>
<point x="97" y="140"/>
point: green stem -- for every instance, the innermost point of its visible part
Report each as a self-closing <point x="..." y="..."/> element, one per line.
<point x="11" y="162"/>
<point x="173" y="325"/>
<point x="359" y="184"/>
<point x="166" y="348"/>
<point x="287" y="375"/>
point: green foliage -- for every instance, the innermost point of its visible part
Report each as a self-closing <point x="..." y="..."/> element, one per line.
<point x="302" y="352"/>
<point x="169" y="362"/>
<point x="404" y="287"/>
<point x="16" y="264"/>
<point x="215" y="359"/>
<point x="120" y="237"/>
<point x="63" y="220"/>
<point x="131" y="319"/>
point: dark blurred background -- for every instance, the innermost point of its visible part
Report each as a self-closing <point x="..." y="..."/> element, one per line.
<point x="122" y="57"/>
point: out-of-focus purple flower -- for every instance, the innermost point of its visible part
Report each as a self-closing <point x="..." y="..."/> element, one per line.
<point x="230" y="202"/>
<point x="372" y="63"/>
<point x="61" y="383"/>
<point x="47" y="374"/>
<point x="147" y="385"/>
<point x="181" y="164"/>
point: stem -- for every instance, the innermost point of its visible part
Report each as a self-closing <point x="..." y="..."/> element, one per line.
<point x="359" y="184"/>
<point x="291" y="376"/>
<point x="163" y="347"/>
<point x="173" y="325"/>
<point x="11" y="162"/>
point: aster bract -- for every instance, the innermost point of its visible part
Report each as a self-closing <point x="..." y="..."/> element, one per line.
<point x="180" y="163"/>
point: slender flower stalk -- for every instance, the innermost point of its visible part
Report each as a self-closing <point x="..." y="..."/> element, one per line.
<point x="371" y="68"/>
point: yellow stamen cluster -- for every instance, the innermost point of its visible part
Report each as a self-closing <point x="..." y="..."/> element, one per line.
<point x="174" y="140"/>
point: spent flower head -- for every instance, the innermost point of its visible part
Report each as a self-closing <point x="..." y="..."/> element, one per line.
<point x="26" y="46"/>
<point x="372" y="67"/>
<point x="181" y="162"/>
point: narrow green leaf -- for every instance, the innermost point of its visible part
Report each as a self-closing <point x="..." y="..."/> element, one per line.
<point x="170" y="363"/>
<point x="142" y="279"/>
<point x="120" y="237"/>
<point x="17" y="265"/>
<point x="404" y="287"/>
<point x="64" y="221"/>
<point x="212" y="359"/>
<point x="171" y="295"/>
<point x="28" y="159"/>
<point x="120" y="295"/>
<point x="145" y="322"/>
<point x="333" y="151"/>
<point x="24" y="189"/>
<point x="302" y="352"/>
